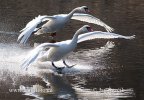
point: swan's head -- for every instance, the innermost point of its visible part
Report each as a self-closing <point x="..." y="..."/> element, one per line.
<point x="82" y="9"/>
<point x="85" y="29"/>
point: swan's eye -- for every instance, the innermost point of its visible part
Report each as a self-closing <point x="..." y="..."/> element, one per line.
<point x="86" y="9"/>
<point x="89" y="29"/>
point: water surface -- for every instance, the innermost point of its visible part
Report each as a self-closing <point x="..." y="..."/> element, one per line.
<point x="105" y="70"/>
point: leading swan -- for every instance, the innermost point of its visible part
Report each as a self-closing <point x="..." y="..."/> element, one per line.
<point x="59" y="50"/>
<point x="57" y="22"/>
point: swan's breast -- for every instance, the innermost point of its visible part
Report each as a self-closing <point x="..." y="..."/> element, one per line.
<point x="56" y="54"/>
<point x="53" y="25"/>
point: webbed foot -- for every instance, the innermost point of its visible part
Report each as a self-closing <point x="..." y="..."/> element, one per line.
<point x="58" y="69"/>
<point x="68" y="65"/>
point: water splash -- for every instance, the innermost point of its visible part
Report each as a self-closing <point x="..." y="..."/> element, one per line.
<point x="79" y="58"/>
<point x="12" y="56"/>
<point x="13" y="33"/>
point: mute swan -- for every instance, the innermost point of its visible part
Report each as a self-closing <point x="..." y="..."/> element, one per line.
<point x="59" y="50"/>
<point x="57" y="22"/>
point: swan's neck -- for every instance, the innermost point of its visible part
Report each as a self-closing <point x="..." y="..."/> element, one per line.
<point x="71" y="13"/>
<point x="75" y="37"/>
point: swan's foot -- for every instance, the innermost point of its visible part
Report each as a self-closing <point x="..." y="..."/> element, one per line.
<point x="68" y="65"/>
<point x="58" y="69"/>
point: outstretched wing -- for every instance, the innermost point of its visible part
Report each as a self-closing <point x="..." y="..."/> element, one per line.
<point x="91" y="19"/>
<point x="99" y="34"/>
<point x="32" y="56"/>
<point x="30" y="27"/>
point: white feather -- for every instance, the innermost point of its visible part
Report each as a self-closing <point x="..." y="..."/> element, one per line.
<point x="99" y="34"/>
<point x="91" y="19"/>
<point x="30" y="27"/>
<point x="33" y="55"/>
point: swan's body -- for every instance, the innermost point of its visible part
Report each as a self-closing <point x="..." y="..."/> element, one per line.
<point x="57" y="22"/>
<point x="52" y="26"/>
<point x="57" y="53"/>
<point x="59" y="50"/>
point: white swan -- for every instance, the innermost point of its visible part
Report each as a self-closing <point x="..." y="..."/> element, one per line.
<point x="57" y="22"/>
<point x="59" y="50"/>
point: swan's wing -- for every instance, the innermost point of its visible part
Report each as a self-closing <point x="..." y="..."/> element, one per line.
<point x="91" y="19"/>
<point x="30" y="27"/>
<point x="37" y="19"/>
<point x="99" y="34"/>
<point x="32" y="56"/>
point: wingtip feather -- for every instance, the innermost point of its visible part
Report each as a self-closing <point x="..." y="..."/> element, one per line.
<point x="132" y="37"/>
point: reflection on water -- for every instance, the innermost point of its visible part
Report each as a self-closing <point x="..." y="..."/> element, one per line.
<point x="61" y="89"/>
<point x="111" y="72"/>
<point x="104" y="94"/>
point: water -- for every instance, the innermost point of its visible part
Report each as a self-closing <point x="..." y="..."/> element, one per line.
<point x="105" y="70"/>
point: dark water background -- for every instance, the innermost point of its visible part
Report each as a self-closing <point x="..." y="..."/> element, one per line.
<point x="120" y="67"/>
